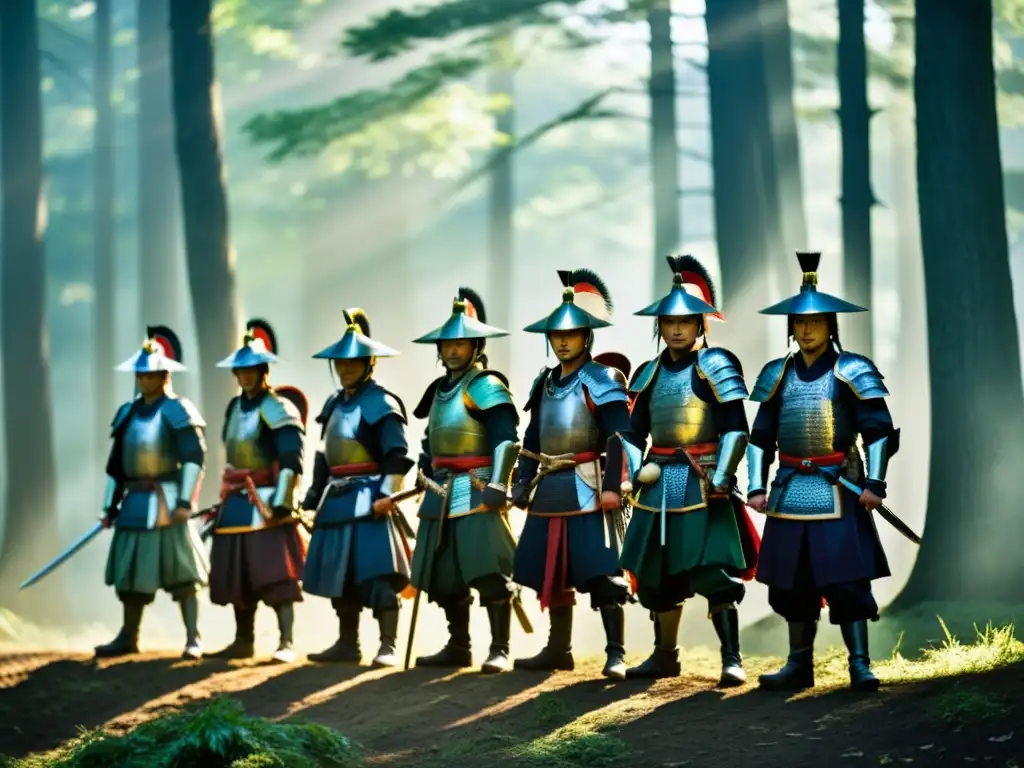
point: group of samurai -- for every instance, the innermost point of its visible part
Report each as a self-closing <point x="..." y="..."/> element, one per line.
<point x="629" y="484"/>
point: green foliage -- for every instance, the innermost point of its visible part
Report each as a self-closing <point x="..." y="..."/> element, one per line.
<point x="220" y="735"/>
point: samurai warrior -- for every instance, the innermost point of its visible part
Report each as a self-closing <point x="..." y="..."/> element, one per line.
<point x="258" y="553"/>
<point x="154" y="473"/>
<point x="820" y="544"/>
<point x="358" y="556"/>
<point x="470" y="447"/>
<point x="573" y="533"/>
<point x="689" y="534"/>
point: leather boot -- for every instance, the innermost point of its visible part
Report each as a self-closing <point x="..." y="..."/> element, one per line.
<point x="244" y="644"/>
<point x="798" y="672"/>
<point x="127" y="640"/>
<point x="285" y="653"/>
<point x="727" y="626"/>
<point x="457" y="652"/>
<point x="190" y="615"/>
<point x="614" y="620"/>
<point x="387" y="656"/>
<point x="346" y="648"/>
<point x="557" y="654"/>
<point x="664" y="662"/>
<point x="500" y="617"/>
<point x="855" y="635"/>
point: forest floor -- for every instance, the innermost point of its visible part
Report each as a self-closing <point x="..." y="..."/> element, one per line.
<point x="958" y="704"/>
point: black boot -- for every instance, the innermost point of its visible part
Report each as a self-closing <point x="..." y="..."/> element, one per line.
<point x="346" y="649"/>
<point x="500" y="617"/>
<point x="855" y="634"/>
<point x="127" y="640"/>
<point x="244" y="644"/>
<point x="457" y="652"/>
<point x="798" y="672"/>
<point x="557" y="654"/>
<point x="285" y="653"/>
<point x="190" y="615"/>
<point x="727" y="625"/>
<point x="387" y="656"/>
<point x="614" y="620"/>
<point x="664" y="662"/>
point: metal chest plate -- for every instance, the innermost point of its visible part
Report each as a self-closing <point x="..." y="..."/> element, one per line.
<point x="242" y="439"/>
<point x="340" y="443"/>
<point x="566" y="423"/>
<point x="678" y="416"/>
<point x="813" y="421"/>
<point x="452" y="430"/>
<point x="149" y="450"/>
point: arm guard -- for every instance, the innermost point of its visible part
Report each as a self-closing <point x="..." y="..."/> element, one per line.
<point x="391" y="484"/>
<point x="730" y="451"/>
<point x="188" y="491"/>
<point x="284" y="493"/>
<point x="878" y="460"/>
<point x="111" y="496"/>
<point x="604" y="384"/>
<point x="861" y="375"/>
<point x="756" y="470"/>
<point x="505" y="455"/>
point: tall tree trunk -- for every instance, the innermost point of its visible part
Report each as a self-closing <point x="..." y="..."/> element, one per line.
<point x="778" y="54"/>
<point x="857" y="198"/>
<point x="972" y="535"/>
<point x="500" y="227"/>
<point x="746" y="193"/>
<point x="30" y="519"/>
<point x="160" y="258"/>
<point x="103" y="227"/>
<point x="210" y="257"/>
<point x="664" y="141"/>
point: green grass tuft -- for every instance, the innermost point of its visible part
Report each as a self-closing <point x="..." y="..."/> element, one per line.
<point x="585" y="749"/>
<point x="964" y="704"/>
<point x="220" y="735"/>
<point x="549" y="710"/>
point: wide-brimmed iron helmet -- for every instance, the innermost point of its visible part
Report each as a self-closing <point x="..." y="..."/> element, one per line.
<point x="811" y="301"/>
<point x="586" y="304"/>
<point x="467" y="321"/>
<point x="160" y="352"/>
<point x="259" y="347"/>
<point x="692" y="292"/>
<point x="356" y="343"/>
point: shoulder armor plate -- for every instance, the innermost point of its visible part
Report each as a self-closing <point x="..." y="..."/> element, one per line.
<point x="861" y="375"/>
<point x="377" y="402"/>
<point x="121" y="416"/>
<point x="181" y="413"/>
<point x="489" y="389"/>
<point x="536" y="389"/>
<point x="644" y="376"/>
<point x="768" y="379"/>
<point x="604" y="383"/>
<point x="723" y="372"/>
<point x="329" y="403"/>
<point x="278" y="412"/>
<point x="422" y="409"/>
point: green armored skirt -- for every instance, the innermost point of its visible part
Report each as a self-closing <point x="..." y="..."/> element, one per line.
<point x="698" y="539"/>
<point x="145" y="561"/>
<point x="472" y="548"/>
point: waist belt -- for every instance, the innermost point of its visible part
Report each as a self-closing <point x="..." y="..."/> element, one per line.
<point x="806" y="464"/>
<point x="461" y="463"/>
<point x="670" y="452"/>
<point x="349" y="470"/>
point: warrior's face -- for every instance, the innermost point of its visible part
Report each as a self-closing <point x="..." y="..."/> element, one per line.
<point x="457" y="354"/>
<point x="350" y="372"/>
<point x="568" y="345"/>
<point x="680" y="333"/>
<point x="250" y="379"/>
<point x="811" y="332"/>
<point x="152" y="384"/>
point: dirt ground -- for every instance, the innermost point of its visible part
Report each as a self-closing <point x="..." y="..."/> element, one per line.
<point x="423" y="718"/>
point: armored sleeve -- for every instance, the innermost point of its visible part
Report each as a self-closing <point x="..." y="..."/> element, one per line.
<point x="762" y="444"/>
<point x="615" y="419"/>
<point x="881" y="441"/>
<point x="394" y="448"/>
<point x="321" y="473"/>
<point x="288" y="447"/>
<point x="526" y="469"/>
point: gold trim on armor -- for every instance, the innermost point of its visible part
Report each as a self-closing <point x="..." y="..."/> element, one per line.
<point x="277" y="522"/>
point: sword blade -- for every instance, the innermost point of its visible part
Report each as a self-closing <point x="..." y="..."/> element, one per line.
<point x="883" y="511"/>
<point x="62" y="558"/>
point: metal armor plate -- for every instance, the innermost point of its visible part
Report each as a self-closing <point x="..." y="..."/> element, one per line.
<point x="452" y="430"/>
<point x="813" y="420"/>
<point x="566" y="423"/>
<point x="340" y="443"/>
<point x="678" y="416"/>
<point x="148" y="449"/>
<point x="798" y="496"/>
<point x="242" y="439"/>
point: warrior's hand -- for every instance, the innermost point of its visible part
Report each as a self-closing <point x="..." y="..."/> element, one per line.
<point x="106" y="521"/>
<point x="610" y="500"/>
<point x="720" y="490"/>
<point x="521" y="495"/>
<point x="383" y="507"/>
<point x="870" y="500"/>
<point x="182" y="513"/>
<point x="758" y="501"/>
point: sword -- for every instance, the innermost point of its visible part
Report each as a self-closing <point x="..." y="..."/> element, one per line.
<point x="64" y="556"/>
<point x="883" y="511"/>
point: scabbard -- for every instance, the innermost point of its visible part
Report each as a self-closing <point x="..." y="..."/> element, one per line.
<point x="520" y="612"/>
